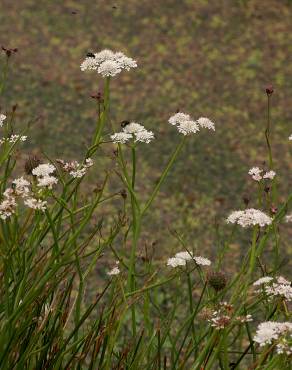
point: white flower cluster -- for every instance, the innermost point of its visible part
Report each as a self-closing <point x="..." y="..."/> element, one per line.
<point x="44" y="172"/>
<point x="114" y="271"/>
<point x="288" y="218"/>
<point x="181" y="258"/>
<point x="2" y="119"/>
<point x="37" y="204"/>
<point x="187" y="125"/>
<point x="134" y="131"/>
<point x="256" y="174"/>
<point x="108" y="63"/>
<point x="275" y="287"/>
<point x="20" y="188"/>
<point x="74" y="168"/>
<point x="222" y="317"/>
<point x="269" y="331"/>
<point x="284" y="347"/>
<point x="249" y="217"/>
<point x="13" y="139"/>
<point x="263" y="280"/>
<point x="219" y="321"/>
<point x="243" y="319"/>
<point x="7" y="206"/>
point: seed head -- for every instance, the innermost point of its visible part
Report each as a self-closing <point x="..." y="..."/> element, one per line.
<point x="32" y="162"/>
<point x="217" y="280"/>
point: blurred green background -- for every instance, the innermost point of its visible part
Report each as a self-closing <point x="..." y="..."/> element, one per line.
<point x="207" y="58"/>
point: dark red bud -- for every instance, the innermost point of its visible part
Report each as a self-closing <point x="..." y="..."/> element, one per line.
<point x="267" y="189"/>
<point x="274" y="210"/>
<point x="269" y="90"/>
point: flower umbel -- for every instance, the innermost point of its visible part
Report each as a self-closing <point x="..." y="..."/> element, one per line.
<point x="134" y="131"/>
<point x="186" y="125"/>
<point x="108" y="63"/>
<point x="249" y="217"/>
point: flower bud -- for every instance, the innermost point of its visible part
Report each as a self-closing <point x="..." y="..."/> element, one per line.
<point x="269" y="90"/>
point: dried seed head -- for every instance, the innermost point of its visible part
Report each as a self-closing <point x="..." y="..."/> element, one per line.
<point x="206" y="314"/>
<point x="9" y="51"/>
<point x="217" y="280"/>
<point x="32" y="162"/>
<point x="123" y="193"/>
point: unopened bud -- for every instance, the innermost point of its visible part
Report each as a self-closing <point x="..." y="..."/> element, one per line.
<point x="269" y="90"/>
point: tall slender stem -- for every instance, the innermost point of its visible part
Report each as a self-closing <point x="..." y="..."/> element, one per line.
<point x="102" y="117"/>
<point x="164" y="174"/>
<point x="267" y="134"/>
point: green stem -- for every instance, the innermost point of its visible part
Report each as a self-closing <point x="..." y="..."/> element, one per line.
<point x="267" y="134"/>
<point x="102" y="117"/>
<point x="164" y="174"/>
<point x="253" y="252"/>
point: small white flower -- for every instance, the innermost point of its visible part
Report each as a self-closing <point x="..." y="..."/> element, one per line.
<point x="290" y="137"/>
<point x="188" y="127"/>
<point x="104" y="55"/>
<point x="276" y="287"/>
<point x="47" y="181"/>
<point x="36" y="204"/>
<point x="133" y="128"/>
<point x="270" y="330"/>
<point x="255" y="173"/>
<point x="288" y="218"/>
<point x="2" y="119"/>
<point x="243" y="319"/>
<point x="43" y="170"/>
<point x="181" y="258"/>
<point x="78" y="173"/>
<point x="89" y="63"/>
<point x="7" y="207"/>
<point x="124" y="61"/>
<point x="206" y="123"/>
<point x="121" y="137"/>
<point x="202" y="261"/>
<point x="282" y="280"/>
<point x="249" y="217"/>
<point x="175" y="262"/>
<point x="109" y="68"/>
<point x="14" y="138"/>
<point x="178" y="118"/>
<point x="144" y="136"/>
<point x="114" y="271"/>
<point x="108" y="63"/>
<point x="184" y="255"/>
<point x="21" y="186"/>
<point x="263" y="280"/>
<point x="88" y="162"/>
<point x="269" y="175"/>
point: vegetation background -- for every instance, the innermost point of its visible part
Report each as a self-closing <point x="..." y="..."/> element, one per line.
<point x="208" y="58"/>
